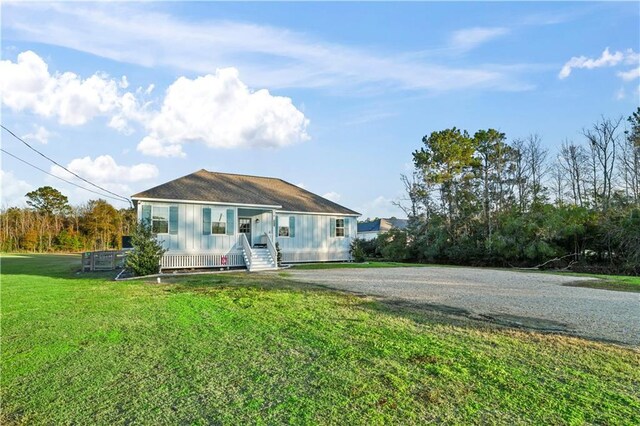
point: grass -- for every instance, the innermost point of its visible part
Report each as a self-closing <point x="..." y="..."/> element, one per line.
<point x="251" y="348"/>
<point x="354" y="265"/>
<point x="608" y="282"/>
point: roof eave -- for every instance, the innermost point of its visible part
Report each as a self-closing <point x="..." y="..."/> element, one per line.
<point x="223" y="203"/>
<point x="323" y="213"/>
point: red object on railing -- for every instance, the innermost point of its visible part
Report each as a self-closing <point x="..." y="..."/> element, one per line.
<point x="223" y="260"/>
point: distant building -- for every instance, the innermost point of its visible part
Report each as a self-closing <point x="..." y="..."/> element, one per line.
<point x="371" y="229"/>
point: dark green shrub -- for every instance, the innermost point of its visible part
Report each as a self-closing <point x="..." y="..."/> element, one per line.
<point x="356" y="250"/>
<point x="370" y="248"/>
<point x="393" y="245"/>
<point x="144" y="258"/>
<point x="278" y="254"/>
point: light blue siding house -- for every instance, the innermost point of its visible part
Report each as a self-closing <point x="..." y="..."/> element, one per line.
<point x="209" y="219"/>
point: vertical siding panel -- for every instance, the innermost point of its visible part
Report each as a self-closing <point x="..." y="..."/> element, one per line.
<point x="323" y="232"/>
<point x="301" y="235"/>
<point x="187" y="228"/>
<point x="201" y="238"/>
<point x="194" y="246"/>
<point x="255" y="229"/>
<point x="182" y="228"/>
<point x="192" y="235"/>
<point x="326" y="234"/>
<point x="308" y="231"/>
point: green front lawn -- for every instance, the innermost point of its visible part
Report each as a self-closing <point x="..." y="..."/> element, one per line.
<point x="254" y="348"/>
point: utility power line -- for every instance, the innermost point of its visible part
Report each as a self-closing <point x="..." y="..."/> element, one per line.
<point x="58" y="177"/>
<point x="63" y="167"/>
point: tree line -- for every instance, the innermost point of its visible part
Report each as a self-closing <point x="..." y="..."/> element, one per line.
<point x="50" y="223"/>
<point x="483" y="200"/>
<point x="471" y="199"/>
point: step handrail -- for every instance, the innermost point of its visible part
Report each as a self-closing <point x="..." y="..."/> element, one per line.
<point x="272" y="250"/>
<point x="247" y="250"/>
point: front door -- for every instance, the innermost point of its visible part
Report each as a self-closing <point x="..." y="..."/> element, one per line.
<point x="244" y="227"/>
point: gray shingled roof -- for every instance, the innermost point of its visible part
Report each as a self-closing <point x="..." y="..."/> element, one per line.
<point x="372" y="226"/>
<point x="397" y="223"/>
<point x="243" y="189"/>
<point x="382" y="225"/>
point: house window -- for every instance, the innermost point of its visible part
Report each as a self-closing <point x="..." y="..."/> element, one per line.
<point x="286" y="226"/>
<point x="218" y="221"/>
<point x="339" y="227"/>
<point x="283" y="231"/>
<point x="218" y="227"/>
<point x="160" y="220"/>
<point x="163" y="219"/>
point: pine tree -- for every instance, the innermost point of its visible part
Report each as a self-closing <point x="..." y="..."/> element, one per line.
<point x="147" y="252"/>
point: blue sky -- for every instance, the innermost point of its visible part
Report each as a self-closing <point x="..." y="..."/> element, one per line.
<point x="331" y="96"/>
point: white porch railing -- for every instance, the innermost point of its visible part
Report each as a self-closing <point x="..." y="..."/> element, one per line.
<point x="182" y="261"/>
<point x="248" y="254"/>
<point x="272" y="249"/>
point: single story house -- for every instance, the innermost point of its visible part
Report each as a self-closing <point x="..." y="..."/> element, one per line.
<point x="209" y="219"/>
<point x="371" y="229"/>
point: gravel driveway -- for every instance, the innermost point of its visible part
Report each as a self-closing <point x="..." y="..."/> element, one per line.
<point x="521" y="299"/>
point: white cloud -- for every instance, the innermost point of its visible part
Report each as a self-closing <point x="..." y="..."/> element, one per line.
<point x="470" y="38"/>
<point x="333" y="196"/>
<point x="220" y="111"/>
<point x="607" y="59"/>
<point x="268" y="56"/>
<point x="150" y="145"/>
<point x="630" y="75"/>
<point x="380" y="206"/>
<point x="13" y="189"/>
<point x="129" y="110"/>
<point x="40" y="134"/>
<point x="105" y="170"/>
<point x="28" y="85"/>
<point x="620" y="94"/>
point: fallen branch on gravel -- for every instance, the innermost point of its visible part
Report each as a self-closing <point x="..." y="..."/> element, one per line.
<point x="551" y="260"/>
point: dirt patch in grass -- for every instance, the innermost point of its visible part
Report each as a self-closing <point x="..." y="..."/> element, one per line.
<point x="460" y="315"/>
<point x="607" y="285"/>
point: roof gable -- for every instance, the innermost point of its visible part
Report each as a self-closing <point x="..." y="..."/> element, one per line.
<point x="243" y="189"/>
